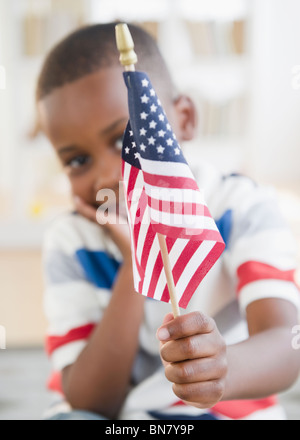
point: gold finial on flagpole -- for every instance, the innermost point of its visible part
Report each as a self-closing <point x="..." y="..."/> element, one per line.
<point x="128" y="57"/>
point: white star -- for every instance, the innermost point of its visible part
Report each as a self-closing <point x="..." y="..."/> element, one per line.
<point x="177" y="151"/>
<point x="152" y="92"/>
<point x="153" y="108"/>
<point x="133" y="144"/>
<point x="127" y="150"/>
<point x="151" y="141"/>
<point x="153" y="124"/>
<point x="137" y="155"/>
<point x="161" y="117"/>
<point x="145" y="99"/>
<point x="161" y="133"/>
<point x="160" y="149"/>
<point x="145" y="83"/>
<point x="174" y="136"/>
<point x="131" y="133"/>
<point x="159" y="102"/>
<point x="144" y="116"/>
<point x="170" y="142"/>
<point x="169" y="127"/>
<point x="143" y="132"/>
<point x="143" y="147"/>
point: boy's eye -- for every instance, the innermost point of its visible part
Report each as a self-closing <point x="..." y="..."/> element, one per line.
<point x="78" y="161"/>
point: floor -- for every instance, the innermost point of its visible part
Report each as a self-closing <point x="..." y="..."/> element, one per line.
<point x="23" y="374"/>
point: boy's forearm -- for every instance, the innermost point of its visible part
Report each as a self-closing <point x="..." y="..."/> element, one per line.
<point x="99" y="379"/>
<point x="257" y="368"/>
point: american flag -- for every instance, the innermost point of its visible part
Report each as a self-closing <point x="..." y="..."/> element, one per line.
<point x="163" y="197"/>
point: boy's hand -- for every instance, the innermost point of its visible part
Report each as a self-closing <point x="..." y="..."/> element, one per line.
<point x="194" y="356"/>
<point x="118" y="231"/>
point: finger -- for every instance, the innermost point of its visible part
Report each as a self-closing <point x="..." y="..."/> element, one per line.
<point x="167" y="319"/>
<point x="193" y="347"/>
<point x="202" y="394"/>
<point x="85" y="210"/>
<point x="186" y="325"/>
<point x="162" y="333"/>
<point x="120" y="234"/>
<point x="199" y="370"/>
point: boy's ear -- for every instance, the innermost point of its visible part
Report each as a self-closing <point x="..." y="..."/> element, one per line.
<point x="186" y="117"/>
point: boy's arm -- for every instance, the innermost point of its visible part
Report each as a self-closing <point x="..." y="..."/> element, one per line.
<point x="203" y="371"/>
<point x="99" y="379"/>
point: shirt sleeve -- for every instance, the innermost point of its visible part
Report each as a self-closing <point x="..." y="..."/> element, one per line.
<point x="262" y="253"/>
<point x="73" y="303"/>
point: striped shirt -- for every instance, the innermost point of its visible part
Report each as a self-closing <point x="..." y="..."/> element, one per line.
<point x="81" y="264"/>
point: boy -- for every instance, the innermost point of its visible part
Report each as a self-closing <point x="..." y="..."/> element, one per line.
<point x="234" y="341"/>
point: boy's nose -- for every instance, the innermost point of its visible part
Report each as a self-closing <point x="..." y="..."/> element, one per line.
<point x="108" y="174"/>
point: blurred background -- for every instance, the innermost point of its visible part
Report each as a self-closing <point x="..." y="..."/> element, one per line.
<point x="238" y="59"/>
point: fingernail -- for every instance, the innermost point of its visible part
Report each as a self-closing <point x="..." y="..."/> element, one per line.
<point x="163" y="334"/>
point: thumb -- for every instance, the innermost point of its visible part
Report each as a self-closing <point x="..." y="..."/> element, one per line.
<point x="161" y="332"/>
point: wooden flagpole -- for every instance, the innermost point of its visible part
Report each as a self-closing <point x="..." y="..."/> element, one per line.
<point x="128" y="59"/>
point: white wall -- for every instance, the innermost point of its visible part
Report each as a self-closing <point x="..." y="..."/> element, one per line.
<point x="7" y="135"/>
<point x="275" y="122"/>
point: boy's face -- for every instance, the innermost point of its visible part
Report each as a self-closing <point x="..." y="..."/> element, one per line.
<point x="85" y="122"/>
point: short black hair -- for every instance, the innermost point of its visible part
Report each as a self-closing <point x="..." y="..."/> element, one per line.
<point x="93" y="47"/>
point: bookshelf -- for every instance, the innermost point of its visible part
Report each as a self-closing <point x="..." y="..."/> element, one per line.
<point x="208" y="53"/>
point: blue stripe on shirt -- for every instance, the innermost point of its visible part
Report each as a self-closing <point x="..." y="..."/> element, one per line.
<point x="224" y="225"/>
<point x="100" y="268"/>
<point x="161" y="416"/>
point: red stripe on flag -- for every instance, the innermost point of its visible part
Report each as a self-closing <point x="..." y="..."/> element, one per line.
<point x="76" y="334"/>
<point x="200" y="273"/>
<point x="186" y="255"/>
<point x="255" y="271"/>
<point x="178" y="207"/>
<point x="148" y="242"/>
<point x="158" y="267"/>
<point x="141" y="208"/>
<point x="186" y="233"/>
<point x="134" y="173"/>
<point x="170" y="181"/>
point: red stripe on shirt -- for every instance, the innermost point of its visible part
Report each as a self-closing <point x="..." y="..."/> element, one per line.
<point x="239" y="409"/>
<point x="255" y="271"/>
<point x="76" y="334"/>
<point x="54" y="382"/>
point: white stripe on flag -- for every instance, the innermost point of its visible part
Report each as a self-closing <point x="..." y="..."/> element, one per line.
<point x="189" y="270"/>
<point x="175" y="194"/>
<point x="183" y="221"/>
<point x="170" y="169"/>
<point x="154" y="252"/>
